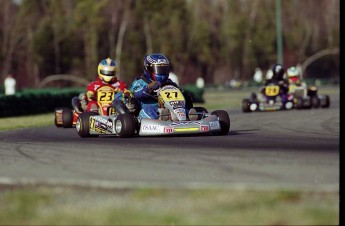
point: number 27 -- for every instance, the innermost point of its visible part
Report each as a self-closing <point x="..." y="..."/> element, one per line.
<point x="169" y="94"/>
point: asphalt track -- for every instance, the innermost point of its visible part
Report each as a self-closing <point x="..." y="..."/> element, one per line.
<point x="296" y="149"/>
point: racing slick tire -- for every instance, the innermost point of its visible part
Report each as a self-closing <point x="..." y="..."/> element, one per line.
<point x="246" y="105"/>
<point x="315" y="102"/>
<point x="83" y="124"/>
<point x="224" y="121"/>
<point x="125" y="125"/>
<point x="67" y="118"/>
<point x="325" y="102"/>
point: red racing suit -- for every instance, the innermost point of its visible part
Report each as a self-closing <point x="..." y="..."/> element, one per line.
<point x="91" y="91"/>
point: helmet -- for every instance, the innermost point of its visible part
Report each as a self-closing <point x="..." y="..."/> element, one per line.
<point x="294" y="75"/>
<point x="278" y="71"/>
<point x="156" y="67"/>
<point x="107" y="70"/>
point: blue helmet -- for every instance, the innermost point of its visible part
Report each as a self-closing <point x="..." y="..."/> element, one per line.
<point x="156" y="67"/>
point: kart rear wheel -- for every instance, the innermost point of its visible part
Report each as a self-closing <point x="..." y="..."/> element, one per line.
<point x="224" y="121"/>
<point x="326" y="102"/>
<point x="83" y="124"/>
<point x="67" y="118"/>
<point x="125" y="125"/>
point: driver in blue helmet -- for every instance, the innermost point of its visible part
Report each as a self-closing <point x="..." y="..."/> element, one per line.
<point x="156" y="72"/>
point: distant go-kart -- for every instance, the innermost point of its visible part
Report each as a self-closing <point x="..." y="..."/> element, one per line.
<point x="307" y="97"/>
<point x="67" y="118"/>
<point x="173" y="119"/>
<point x="269" y="100"/>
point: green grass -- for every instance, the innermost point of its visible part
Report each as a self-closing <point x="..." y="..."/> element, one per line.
<point x="10" y="123"/>
<point x="61" y="205"/>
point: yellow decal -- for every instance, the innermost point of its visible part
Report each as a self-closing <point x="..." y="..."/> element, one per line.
<point x="92" y="123"/>
<point x="171" y="95"/>
<point x="271" y="91"/>
<point x="186" y="129"/>
<point x="105" y="95"/>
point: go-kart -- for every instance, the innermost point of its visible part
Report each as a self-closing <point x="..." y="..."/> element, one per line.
<point x="173" y="119"/>
<point x="67" y="118"/>
<point x="307" y="97"/>
<point x="269" y="99"/>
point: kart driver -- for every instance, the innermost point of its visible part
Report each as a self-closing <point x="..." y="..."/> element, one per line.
<point x="277" y="77"/>
<point x="294" y="76"/>
<point x="107" y="69"/>
<point x="156" y="72"/>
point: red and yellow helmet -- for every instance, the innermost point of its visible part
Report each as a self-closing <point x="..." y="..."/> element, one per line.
<point x="107" y="69"/>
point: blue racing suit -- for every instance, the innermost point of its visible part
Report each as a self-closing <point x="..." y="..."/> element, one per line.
<point x="147" y="103"/>
<point x="147" y="99"/>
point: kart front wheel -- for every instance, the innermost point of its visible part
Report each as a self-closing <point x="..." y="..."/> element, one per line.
<point x="125" y="125"/>
<point x="224" y="121"/>
<point x="83" y="124"/>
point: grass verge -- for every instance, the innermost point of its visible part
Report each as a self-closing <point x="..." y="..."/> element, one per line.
<point x="21" y="122"/>
<point x="44" y="205"/>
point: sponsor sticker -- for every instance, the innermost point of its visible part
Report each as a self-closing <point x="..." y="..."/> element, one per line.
<point x="100" y="119"/>
<point x="110" y="125"/>
<point x="214" y="125"/>
<point x="150" y="128"/>
<point x="168" y="130"/>
<point x="204" y="128"/>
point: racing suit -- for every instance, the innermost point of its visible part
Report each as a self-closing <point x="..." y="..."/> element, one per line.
<point x="92" y="88"/>
<point x="147" y="99"/>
